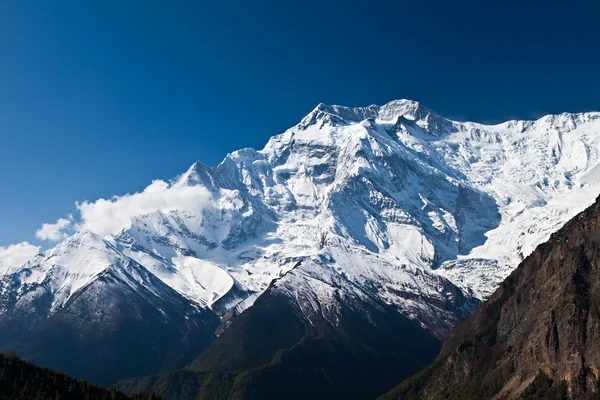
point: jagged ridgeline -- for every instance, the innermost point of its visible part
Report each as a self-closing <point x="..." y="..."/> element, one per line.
<point x="20" y="380"/>
<point x="372" y="231"/>
<point x="537" y="337"/>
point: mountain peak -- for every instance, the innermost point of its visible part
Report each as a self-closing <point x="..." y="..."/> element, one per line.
<point x="82" y="238"/>
<point x="341" y="115"/>
<point x="197" y="173"/>
<point x="409" y="109"/>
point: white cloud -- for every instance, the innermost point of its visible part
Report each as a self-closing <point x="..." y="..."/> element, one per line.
<point x="54" y="232"/>
<point x="16" y="255"/>
<point x="110" y="216"/>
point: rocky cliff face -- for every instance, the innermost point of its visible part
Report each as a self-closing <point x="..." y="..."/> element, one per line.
<point x="538" y="334"/>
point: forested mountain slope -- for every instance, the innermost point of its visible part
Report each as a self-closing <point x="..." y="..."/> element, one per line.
<point x="20" y="380"/>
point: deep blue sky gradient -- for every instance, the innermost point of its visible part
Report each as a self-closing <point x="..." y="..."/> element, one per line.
<point x="98" y="98"/>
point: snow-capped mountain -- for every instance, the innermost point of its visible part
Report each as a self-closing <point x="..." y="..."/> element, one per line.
<point x="390" y="204"/>
<point x="86" y="308"/>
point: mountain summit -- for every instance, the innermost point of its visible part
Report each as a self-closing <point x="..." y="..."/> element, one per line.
<point x="390" y="208"/>
<point x="391" y="112"/>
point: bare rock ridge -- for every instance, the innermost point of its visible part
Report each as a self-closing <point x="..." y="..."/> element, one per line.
<point x="538" y="334"/>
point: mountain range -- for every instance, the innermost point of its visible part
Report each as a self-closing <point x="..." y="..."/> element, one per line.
<point x="350" y="246"/>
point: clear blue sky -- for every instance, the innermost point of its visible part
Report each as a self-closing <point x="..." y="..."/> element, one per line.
<point x="98" y="98"/>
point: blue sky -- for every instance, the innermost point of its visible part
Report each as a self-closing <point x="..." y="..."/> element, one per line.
<point x="98" y="98"/>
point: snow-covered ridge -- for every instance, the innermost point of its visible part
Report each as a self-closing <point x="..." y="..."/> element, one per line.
<point x="389" y="203"/>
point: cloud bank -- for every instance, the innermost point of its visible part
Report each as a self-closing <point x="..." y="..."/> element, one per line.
<point x="16" y="255"/>
<point x="109" y="216"/>
<point x="106" y="216"/>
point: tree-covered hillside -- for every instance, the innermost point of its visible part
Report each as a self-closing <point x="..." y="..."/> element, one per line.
<point x="20" y="380"/>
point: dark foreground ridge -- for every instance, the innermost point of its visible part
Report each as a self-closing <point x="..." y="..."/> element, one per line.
<point x="20" y="380"/>
<point x="271" y="351"/>
<point x="538" y="336"/>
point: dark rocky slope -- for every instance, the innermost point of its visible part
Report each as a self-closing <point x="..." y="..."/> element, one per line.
<point x="538" y="336"/>
<point x="271" y="351"/>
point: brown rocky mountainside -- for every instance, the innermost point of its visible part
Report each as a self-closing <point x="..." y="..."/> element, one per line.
<point x="538" y="336"/>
